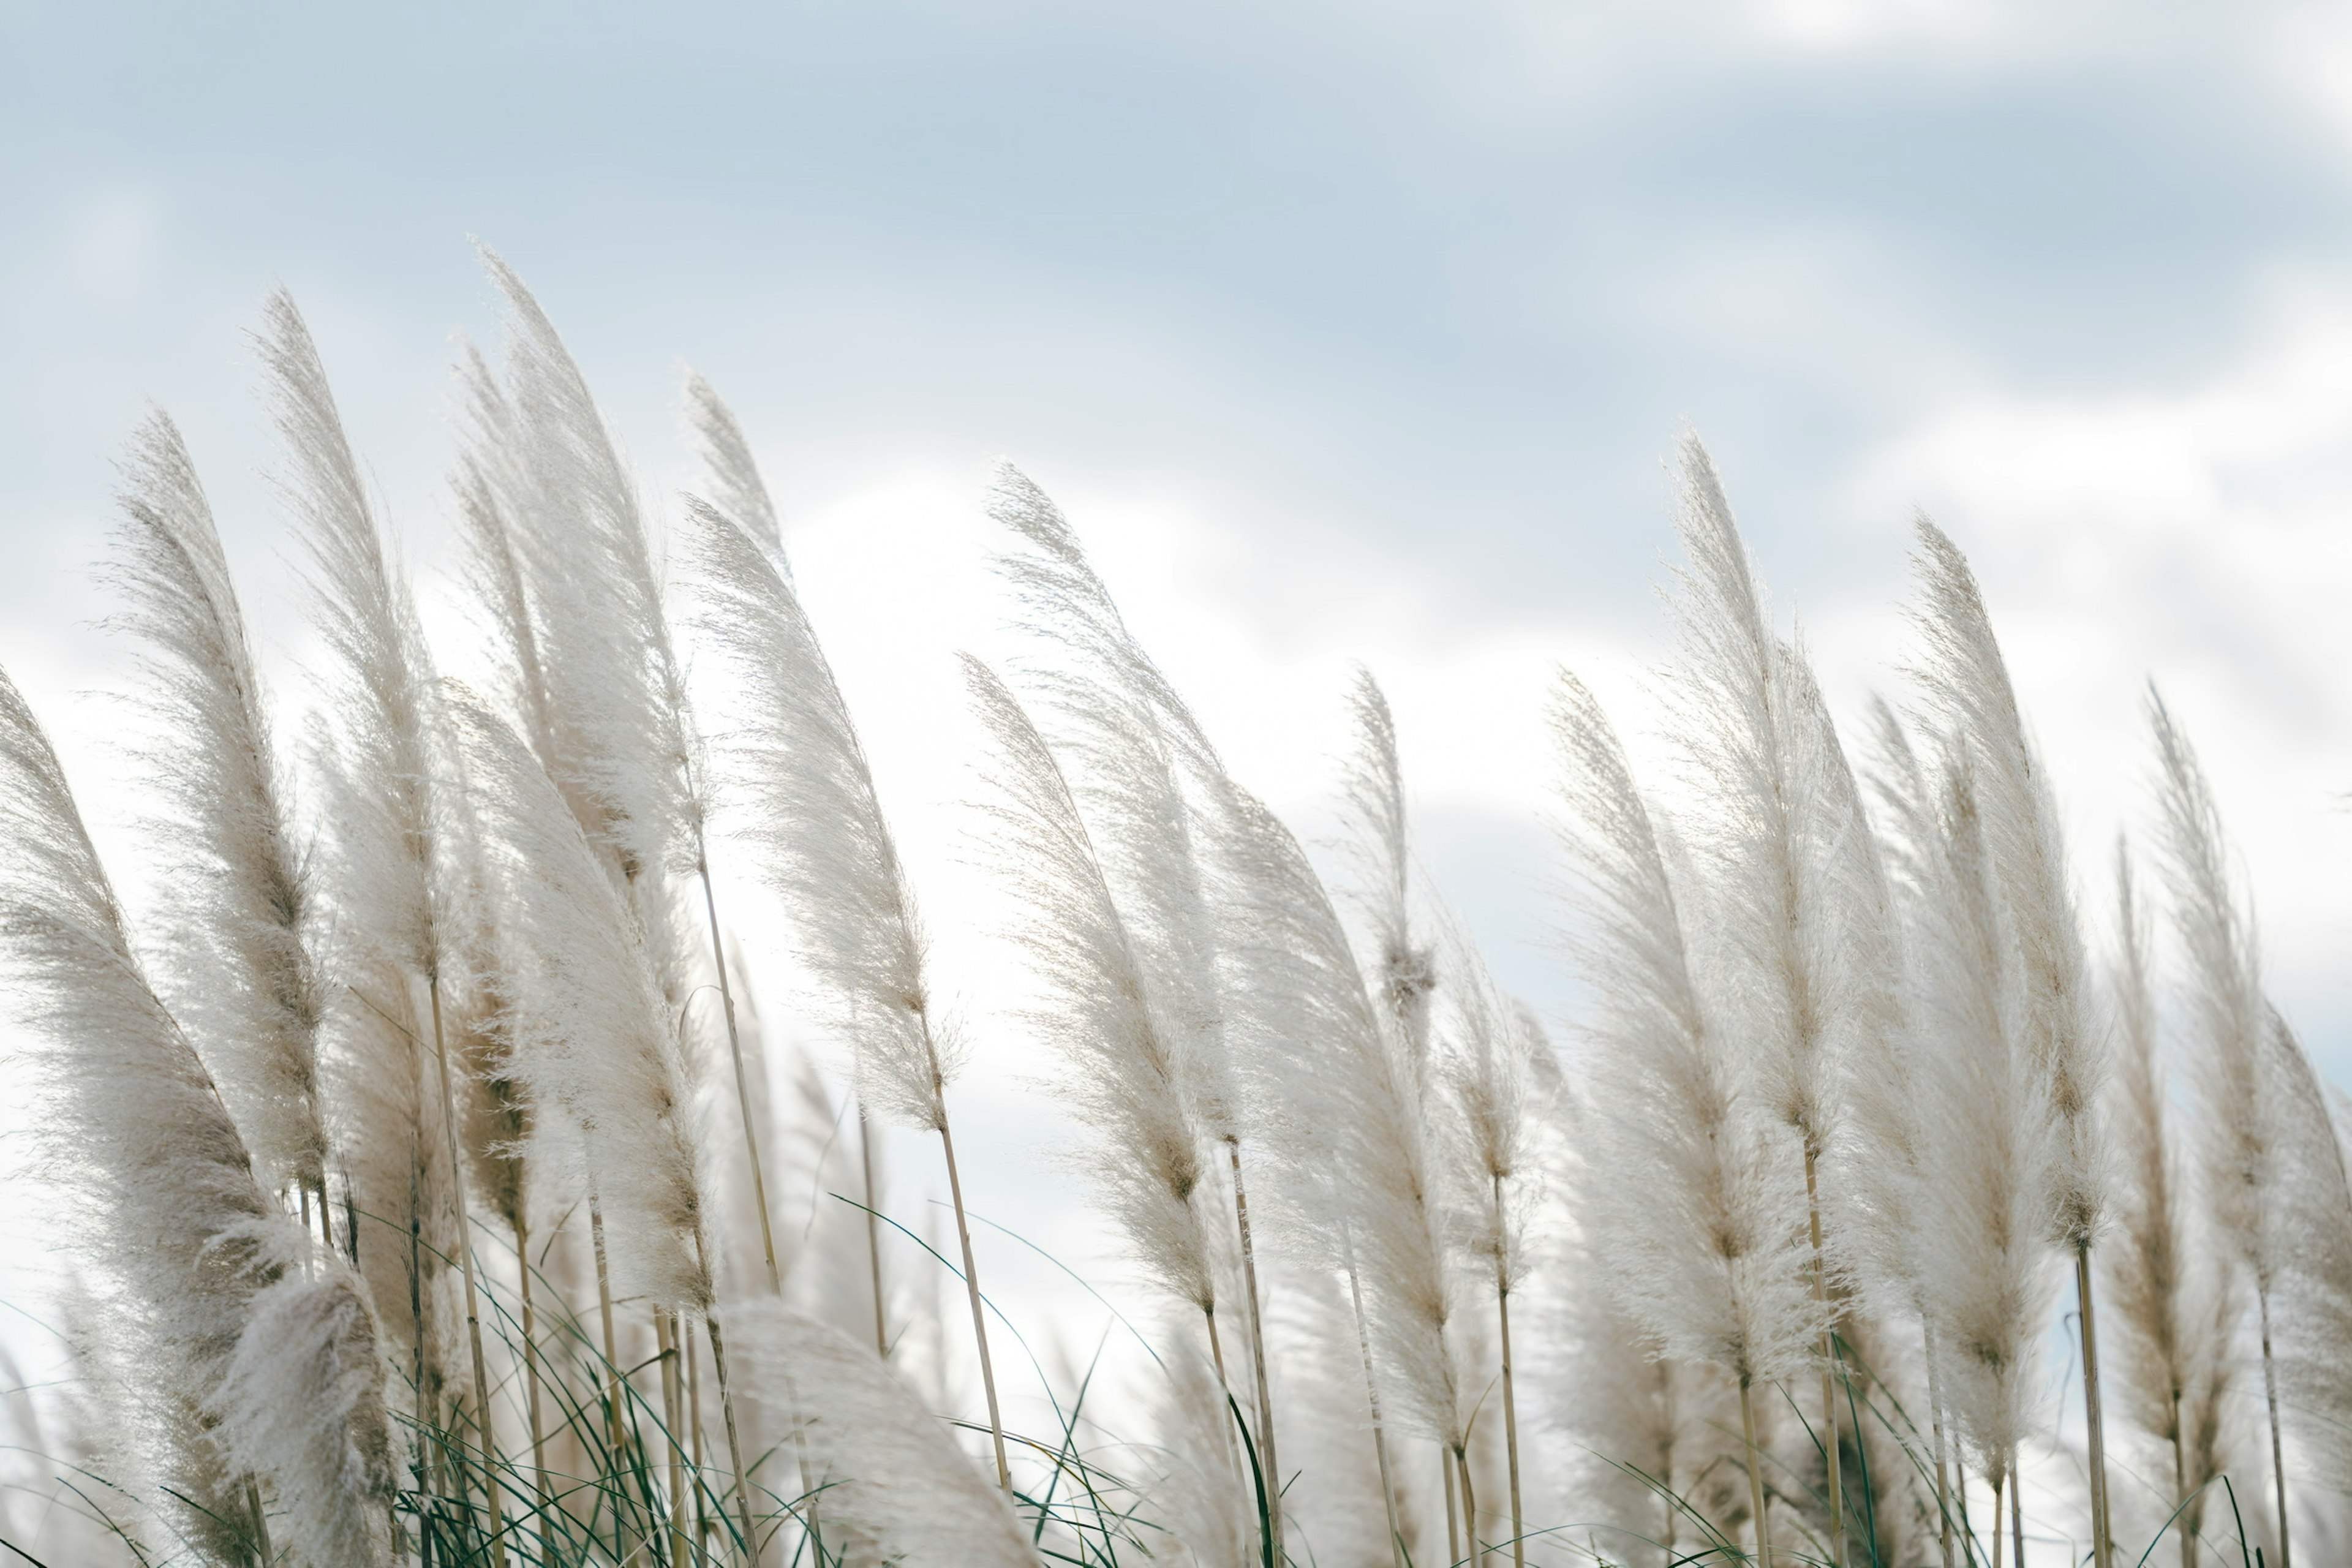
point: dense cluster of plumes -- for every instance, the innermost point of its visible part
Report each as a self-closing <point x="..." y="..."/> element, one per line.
<point x="434" y="1196"/>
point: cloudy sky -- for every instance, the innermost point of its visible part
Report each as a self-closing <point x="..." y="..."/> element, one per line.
<point x="1343" y="331"/>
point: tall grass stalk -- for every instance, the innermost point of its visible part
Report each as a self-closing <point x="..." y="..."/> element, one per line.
<point x="824" y="847"/>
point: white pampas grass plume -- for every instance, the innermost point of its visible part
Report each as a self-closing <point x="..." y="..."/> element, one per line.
<point x="1967" y="686"/>
<point x="2314" y="1350"/>
<point x="1355" y="1127"/>
<point x="1099" y="1009"/>
<point x="387" y="832"/>
<point x="1692" y="1224"/>
<point x="242" y="978"/>
<point x="816" y="825"/>
<point x="1779" y="821"/>
<point x="2177" y="1319"/>
<point x="1495" y="1066"/>
<point x="2249" y="1168"/>
<point x="1992" y="1140"/>
<point x="895" y="1487"/>
<point x="1374" y="787"/>
<point x="736" y="487"/>
<point x="618" y="735"/>
<point x="589" y="1035"/>
<point x="303" y="1396"/>
<point x="164" y="1192"/>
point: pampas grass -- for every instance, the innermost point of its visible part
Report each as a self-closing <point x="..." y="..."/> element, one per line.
<point x="1834" y="1111"/>
<point x="223" y="1305"/>
<point x="1692" y="1229"/>
<point x="827" y="851"/>
<point x="1966" y="686"/>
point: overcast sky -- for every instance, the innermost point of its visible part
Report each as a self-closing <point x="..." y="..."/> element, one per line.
<point x="1343" y="330"/>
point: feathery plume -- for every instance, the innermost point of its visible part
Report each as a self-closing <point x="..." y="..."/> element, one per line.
<point x="1966" y="684"/>
<point x="393" y="858"/>
<point x="202" y="1269"/>
<point x="1792" y="874"/>
<point x="1099" y="1011"/>
<point x="1356" y="1129"/>
<point x="1992" y="1140"/>
<point x="826" y="850"/>
<point x="1493" y="1073"/>
<point x="896" y="1488"/>
<point x="736" y="488"/>
<point x="1691" y="1228"/>
<point x="2246" y="1170"/>
<point x="244" y="979"/>
<point x="2177" y="1321"/>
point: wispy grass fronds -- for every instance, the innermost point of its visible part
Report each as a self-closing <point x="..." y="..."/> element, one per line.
<point x="1373" y="790"/>
<point x="737" y="491"/>
<point x="243" y="976"/>
<point x="619" y="737"/>
<point x="1966" y="684"/>
<point x="1097" y="1010"/>
<point x="816" y="825"/>
<point x="2247" y="1170"/>
<point x="2176" y="1297"/>
<point x="1355" y="1112"/>
<point x="219" y="1291"/>
<point x="890" y="1484"/>
<point x="1692" y="1227"/>
<point x="589" y="1035"/>
<point x="1993" y="1141"/>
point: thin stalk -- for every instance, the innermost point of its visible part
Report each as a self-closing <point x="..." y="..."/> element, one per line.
<point x="1469" y="1503"/>
<point x="1999" y="1473"/>
<point x="1935" y="1424"/>
<point x="873" y="1232"/>
<point x="2270" y="1392"/>
<point x="2017" y="1508"/>
<point x="1257" y="1353"/>
<point x="1511" y="1403"/>
<point x="472" y="1300"/>
<point x="531" y="1365"/>
<point x="1829" y="1364"/>
<point x="971" y="1289"/>
<point x="1763" y="1553"/>
<point x="1216" y="1347"/>
<point x="2180" y="1487"/>
<point x="742" y="1087"/>
<point x="694" y="1425"/>
<point x="260" y="1524"/>
<point x="2102" y="1547"/>
<point x="673" y="1418"/>
<point x="1960" y="1491"/>
<point x="1453" y="1553"/>
<point x="1372" y="1397"/>
<point x="613" y="1375"/>
<point x="727" y="1414"/>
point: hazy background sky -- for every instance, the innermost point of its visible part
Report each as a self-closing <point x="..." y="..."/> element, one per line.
<point x="1342" y="330"/>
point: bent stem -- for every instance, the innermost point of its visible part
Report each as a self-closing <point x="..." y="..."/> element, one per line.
<point x="742" y="1086"/>
<point x="2101" y="1527"/>
<point x="2270" y="1392"/>
<point x="1763" y="1553"/>
<point x="727" y="1416"/>
<point x="1511" y="1403"/>
<point x="1257" y="1351"/>
<point x="473" y="1301"/>
<point x="1829" y="1363"/>
<point x="971" y="1289"/>
<point x="1373" y="1398"/>
<point x="531" y="1363"/>
<point x="873" y="1232"/>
